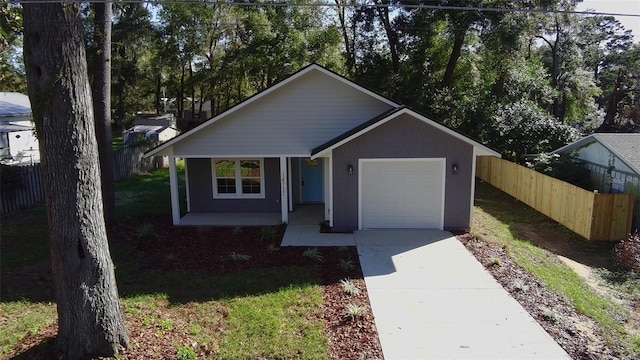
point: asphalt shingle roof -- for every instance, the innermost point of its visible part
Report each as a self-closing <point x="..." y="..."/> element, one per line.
<point x="624" y="146"/>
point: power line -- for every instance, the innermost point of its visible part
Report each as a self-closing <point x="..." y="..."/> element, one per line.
<point x="334" y="5"/>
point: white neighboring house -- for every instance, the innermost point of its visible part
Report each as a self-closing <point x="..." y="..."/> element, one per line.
<point x="156" y="128"/>
<point x="613" y="161"/>
<point x="18" y="141"/>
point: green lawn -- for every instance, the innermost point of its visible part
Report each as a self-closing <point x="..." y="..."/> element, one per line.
<point x="266" y="313"/>
<point x="501" y="219"/>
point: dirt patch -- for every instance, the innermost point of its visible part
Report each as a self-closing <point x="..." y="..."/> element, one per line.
<point x="594" y="254"/>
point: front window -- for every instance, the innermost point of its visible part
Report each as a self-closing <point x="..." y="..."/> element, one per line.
<point x="238" y="178"/>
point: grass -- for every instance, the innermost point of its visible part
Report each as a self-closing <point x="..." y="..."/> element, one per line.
<point x="275" y="325"/>
<point x="145" y="195"/>
<point x="24" y="239"/>
<point x="20" y="318"/>
<point x="265" y="313"/>
<point x="500" y="219"/>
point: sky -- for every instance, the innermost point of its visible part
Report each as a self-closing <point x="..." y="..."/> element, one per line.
<point x="618" y="7"/>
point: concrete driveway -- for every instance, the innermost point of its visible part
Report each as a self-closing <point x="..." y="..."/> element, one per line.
<point x="433" y="300"/>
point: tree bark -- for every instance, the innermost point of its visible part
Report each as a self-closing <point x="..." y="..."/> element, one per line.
<point x="101" y="92"/>
<point x="617" y="94"/>
<point x="90" y="321"/>
<point x="392" y="36"/>
<point x="456" y="51"/>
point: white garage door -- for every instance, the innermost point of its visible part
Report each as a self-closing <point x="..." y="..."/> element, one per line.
<point x="401" y="193"/>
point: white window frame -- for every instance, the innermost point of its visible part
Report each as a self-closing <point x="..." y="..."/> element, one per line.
<point x="238" y="194"/>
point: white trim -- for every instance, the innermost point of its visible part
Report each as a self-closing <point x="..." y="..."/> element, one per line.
<point x="474" y="159"/>
<point x="173" y="184"/>
<point x="290" y="182"/>
<point x="329" y="207"/>
<point x="484" y="150"/>
<point x="284" y="207"/>
<point x="300" y="179"/>
<point x="257" y="96"/>
<point x="443" y="161"/>
<point x="186" y="181"/>
<point x="238" y="180"/>
<point x="326" y="189"/>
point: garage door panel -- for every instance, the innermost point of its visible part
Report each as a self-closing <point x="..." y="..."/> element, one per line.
<point x="401" y="193"/>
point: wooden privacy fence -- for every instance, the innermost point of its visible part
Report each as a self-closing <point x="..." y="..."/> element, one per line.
<point x="591" y="215"/>
<point x="130" y="161"/>
<point x="22" y="186"/>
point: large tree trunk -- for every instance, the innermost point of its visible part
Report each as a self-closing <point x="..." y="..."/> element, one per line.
<point x="102" y="107"/>
<point x="456" y="51"/>
<point x="617" y="94"/>
<point x="349" y="49"/>
<point x="89" y="317"/>
<point x="392" y="36"/>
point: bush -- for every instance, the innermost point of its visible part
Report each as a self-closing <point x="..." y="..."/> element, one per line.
<point x="627" y="254"/>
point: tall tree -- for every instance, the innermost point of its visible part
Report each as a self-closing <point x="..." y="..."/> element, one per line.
<point x="90" y="321"/>
<point x="101" y="91"/>
<point x="11" y="71"/>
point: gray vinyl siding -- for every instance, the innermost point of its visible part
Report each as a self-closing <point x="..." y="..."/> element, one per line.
<point x="404" y="137"/>
<point x="201" y="190"/>
<point x="292" y="120"/>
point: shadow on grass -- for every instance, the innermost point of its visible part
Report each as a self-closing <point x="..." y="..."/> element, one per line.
<point x="41" y="350"/>
<point x="186" y="287"/>
<point x="526" y="223"/>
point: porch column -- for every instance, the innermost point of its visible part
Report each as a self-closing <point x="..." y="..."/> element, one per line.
<point x="173" y="183"/>
<point x="284" y="190"/>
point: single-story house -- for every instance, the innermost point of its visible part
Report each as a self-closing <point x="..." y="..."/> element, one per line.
<point x="613" y="160"/>
<point x="18" y="141"/>
<point x="155" y="128"/>
<point x="317" y="137"/>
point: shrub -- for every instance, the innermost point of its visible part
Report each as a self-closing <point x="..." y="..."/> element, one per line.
<point x="346" y="264"/>
<point x="349" y="287"/>
<point x="627" y="254"/>
<point x="313" y="254"/>
<point x="239" y="257"/>
<point x="495" y="261"/>
<point x="353" y="310"/>
<point x="146" y="230"/>
<point x="267" y="233"/>
<point x="272" y="248"/>
<point x="186" y="353"/>
<point x="549" y="314"/>
<point x="520" y="285"/>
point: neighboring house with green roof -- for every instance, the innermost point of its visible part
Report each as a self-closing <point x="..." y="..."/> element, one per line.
<point x="614" y="162"/>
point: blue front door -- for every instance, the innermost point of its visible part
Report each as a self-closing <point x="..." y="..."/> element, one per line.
<point x="312" y="180"/>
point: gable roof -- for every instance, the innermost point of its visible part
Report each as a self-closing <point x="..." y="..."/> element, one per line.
<point x="388" y="116"/>
<point x="14" y="104"/>
<point x="299" y="74"/>
<point x="624" y="146"/>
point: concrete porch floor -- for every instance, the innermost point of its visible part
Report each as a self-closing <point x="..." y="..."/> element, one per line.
<point x="304" y="229"/>
<point x="302" y="214"/>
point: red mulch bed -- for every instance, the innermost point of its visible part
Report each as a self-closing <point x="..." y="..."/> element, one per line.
<point x="206" y="250"/>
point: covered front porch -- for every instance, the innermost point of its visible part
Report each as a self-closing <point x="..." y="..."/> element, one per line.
<point x="296" y="186"/>
<point x="303" y="214"/>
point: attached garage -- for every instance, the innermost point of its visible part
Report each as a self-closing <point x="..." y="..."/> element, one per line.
<point x="401" y="193"/>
